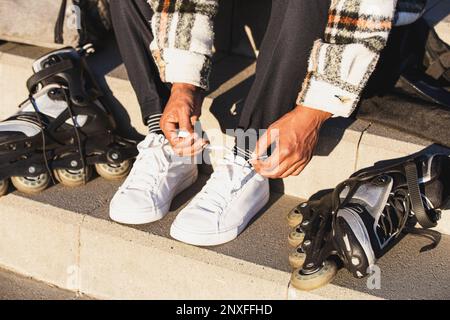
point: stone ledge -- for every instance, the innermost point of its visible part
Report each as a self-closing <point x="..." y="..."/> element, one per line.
<point x="63" y="236"/>
<point x="107" y="260"/>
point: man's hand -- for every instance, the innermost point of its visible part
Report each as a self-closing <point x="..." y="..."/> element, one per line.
<point x="180" y="115"/>
<point x="296" y="135"/>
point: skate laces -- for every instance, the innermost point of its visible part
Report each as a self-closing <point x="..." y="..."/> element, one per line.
<point x="395" y="214"/>
<point x="152" y="161"/>
<point x="398" y="210"/>
<point x="228" y="178"/>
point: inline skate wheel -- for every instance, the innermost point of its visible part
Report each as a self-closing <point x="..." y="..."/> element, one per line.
<point x="310" y="281"/>
<point x="73" y="178"/>
<point x="31" y="185"/>
<point x="294" y="217"/>
<point x="296" y="237"/>
<point x="297" y="258"/>
<point x="3" y="187"/>
<point x="113" y="171"/>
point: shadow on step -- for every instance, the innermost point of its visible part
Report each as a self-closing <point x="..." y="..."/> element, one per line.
<point x="107" y="61"/>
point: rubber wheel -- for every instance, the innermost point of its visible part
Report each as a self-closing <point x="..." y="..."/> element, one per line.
<point x="294" y="217"/>
<point x="296" y="238"/>
<point x="4" y="184"/>
<point x="308" y="282"/>
<point x="297" y="258"/>
<point x="31" y="185"/>
<point x="73" y="178"/>
<point x="113" y="172"/>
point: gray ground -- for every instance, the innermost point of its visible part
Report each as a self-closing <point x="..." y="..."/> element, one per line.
<point x="15" y="287"/>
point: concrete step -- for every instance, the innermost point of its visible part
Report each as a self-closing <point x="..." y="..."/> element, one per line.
<point x="345" y="145"/>
<point x="64" y="237"/>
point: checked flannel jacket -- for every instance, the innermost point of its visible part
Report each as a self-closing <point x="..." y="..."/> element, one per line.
<point x="339" y="66"/>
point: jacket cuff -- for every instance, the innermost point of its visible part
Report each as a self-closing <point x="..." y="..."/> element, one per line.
<point x="325" y="96"/>
<point x="183" y="66"/>
<point x="337" y="75"/>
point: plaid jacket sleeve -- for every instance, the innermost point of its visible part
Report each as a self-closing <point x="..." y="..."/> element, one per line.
<point x="341" y="65"/>
<point x="183" y="39"/>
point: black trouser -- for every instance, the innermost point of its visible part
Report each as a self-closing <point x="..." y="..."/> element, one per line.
<point x="293" y="27"/>
<point x="282" y="63"/>
<point x="131" y="21"/>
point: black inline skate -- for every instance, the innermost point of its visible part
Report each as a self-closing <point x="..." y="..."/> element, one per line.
<point x="62" y="129"/>
<point x="364" y="217"/>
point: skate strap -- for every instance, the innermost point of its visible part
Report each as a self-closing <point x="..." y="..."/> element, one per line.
<point x="59" y="26"/>
<point x="48" y="72"/>
<point x="432" y="235"/>
<point x="440" y="66"/>
<point x="418" y="208"/>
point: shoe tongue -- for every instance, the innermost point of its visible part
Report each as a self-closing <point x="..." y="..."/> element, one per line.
<point x="227" y="178"/>
<point x="158" y="144"/>
<point x="232" y="168"/>
<point x="236" y="160"/>
<point x="152" y="140"/>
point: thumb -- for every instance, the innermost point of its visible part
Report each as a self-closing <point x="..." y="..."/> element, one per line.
<point x="194" y="120"/>
<point x="264" y="142"/>
<point x="185" y="123"/>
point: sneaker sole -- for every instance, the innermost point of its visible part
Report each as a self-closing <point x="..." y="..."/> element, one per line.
<point x="145" y="217"/>
<point x="215" y="239"/>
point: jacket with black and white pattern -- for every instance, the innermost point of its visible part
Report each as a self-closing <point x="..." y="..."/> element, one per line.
<point x="339" y="66"/>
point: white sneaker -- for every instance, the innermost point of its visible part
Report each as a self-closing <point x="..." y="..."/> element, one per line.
<point x="233" y="195"/>
<point x="158" y="175"/>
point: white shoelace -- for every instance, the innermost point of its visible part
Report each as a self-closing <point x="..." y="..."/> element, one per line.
<point x="223" y="185"/>
<point x="151" y="163"/>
